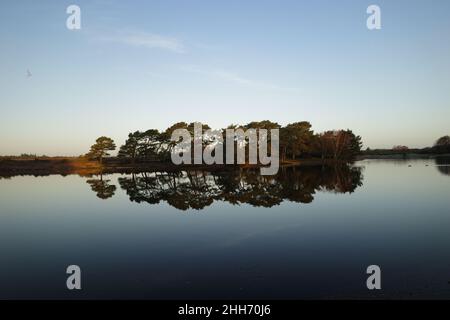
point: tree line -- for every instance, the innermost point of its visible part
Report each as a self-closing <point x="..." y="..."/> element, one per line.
<point x="440" y="146"/>
<point x="297" y="141"/>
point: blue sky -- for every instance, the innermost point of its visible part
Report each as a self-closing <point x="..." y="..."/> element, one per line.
<point x="136" y="65"/>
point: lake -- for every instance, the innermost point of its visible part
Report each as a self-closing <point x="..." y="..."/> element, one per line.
<point x="308" y="232"/>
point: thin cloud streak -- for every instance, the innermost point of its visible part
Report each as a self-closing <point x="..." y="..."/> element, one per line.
<point x="235" y="78"/>
<point x="148" y="40"/>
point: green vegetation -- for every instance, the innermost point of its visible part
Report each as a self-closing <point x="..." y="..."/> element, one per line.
<point x="441" y="146"/>
<point x="297" y="141"/>
<point x="100" y="149"/>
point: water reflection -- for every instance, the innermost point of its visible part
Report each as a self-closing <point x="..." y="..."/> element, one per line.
<point x="443" y="165"/>
<point x="399" y="220"/>
<point x="102" y="188"/>
<point x="197" y="189"/>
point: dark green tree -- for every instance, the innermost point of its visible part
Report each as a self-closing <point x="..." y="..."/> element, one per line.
<point x="355" y="145"/>
<point x="339" y="144"/>
<point x="297" y="138"/>
<point x="130" y="148"/>
<point x="166" y="137"/>
<point x="443" y="141"/>
<point x="150" y="144"/>
<point x="442" y="145"/>
<point x="169" y="145"/>
<point x="100" y="149"/>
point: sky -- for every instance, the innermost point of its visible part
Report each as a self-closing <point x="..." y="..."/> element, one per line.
<point x="136" y="65"/>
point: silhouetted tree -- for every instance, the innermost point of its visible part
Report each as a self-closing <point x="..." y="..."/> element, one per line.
<point x="442" y="145"/>
<point x="443" y="141"/>
<point x="339" y="144"/>
<point x="400" y="148"/>
<point x="149" y="144"/>
<point x="354" y="147"/>
<point x="130" y="148"/>
<point x="166" y="138"/>
<point x="265" y="124"/>
<point x="100" y="149"/>
<point x="296" y="139"/>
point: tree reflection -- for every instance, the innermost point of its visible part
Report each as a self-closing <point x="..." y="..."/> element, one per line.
<point x="199" y="189"/>
<point x="102" y="188"/>
<point x="443" y="165"/>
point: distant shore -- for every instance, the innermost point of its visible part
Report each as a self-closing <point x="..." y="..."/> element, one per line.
<point x="402" y="156"/>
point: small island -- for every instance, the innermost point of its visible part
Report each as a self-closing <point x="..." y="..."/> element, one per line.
<point x="150" y="150"/>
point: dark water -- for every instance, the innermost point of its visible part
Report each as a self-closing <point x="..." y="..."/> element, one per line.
<point x="306" y="233"/>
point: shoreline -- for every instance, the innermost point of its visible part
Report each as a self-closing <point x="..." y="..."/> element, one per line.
<point x="41" y="166"/>
<point x="402" y="156"/>
<point x="76" y="165"/>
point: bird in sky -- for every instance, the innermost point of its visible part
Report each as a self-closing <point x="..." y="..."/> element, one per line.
<point x="29" y="73"/>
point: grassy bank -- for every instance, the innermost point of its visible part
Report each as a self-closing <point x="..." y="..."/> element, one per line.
<point x="45" y="166"/>
<point x="12" y="166"/>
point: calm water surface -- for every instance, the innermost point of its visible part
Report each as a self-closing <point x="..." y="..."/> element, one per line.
<point x="307" y="233"/>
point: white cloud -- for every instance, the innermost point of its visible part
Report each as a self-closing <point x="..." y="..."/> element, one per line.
<point x="235" y="78"/>
<point x="148" y="40"/>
